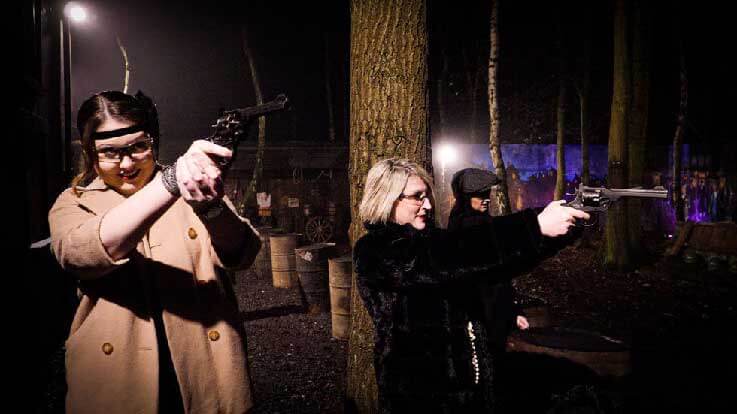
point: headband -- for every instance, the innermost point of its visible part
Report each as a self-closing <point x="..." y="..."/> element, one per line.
<point x="117" y="132"/>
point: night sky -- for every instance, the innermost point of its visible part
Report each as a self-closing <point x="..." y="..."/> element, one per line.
<point x="187" y="56"/>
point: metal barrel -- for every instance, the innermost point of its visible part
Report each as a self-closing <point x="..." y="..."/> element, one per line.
<point x="312" y="272"/>
<point x="340" y="270"/>
<point x="283" y="267"/>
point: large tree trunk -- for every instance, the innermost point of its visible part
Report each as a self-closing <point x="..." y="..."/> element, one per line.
<point x="678" y="138"/>
<point x="638" y="119"/>
<point x="560" y="155"/>
<point x="388" y="118"/>
<point x="259" y="167"/>
<point x="495" y="147"/>
<point x="616" y="247"/>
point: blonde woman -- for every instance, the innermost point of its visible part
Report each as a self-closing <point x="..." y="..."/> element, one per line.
<point x="157" y="328"/>
<point x="412" y="278"/>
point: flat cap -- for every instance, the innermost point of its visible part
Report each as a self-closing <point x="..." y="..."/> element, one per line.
<point x="472" y="180"/>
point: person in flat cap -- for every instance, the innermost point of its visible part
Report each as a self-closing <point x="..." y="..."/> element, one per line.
<point x="471" y="189"/>
<point x="494" y="300"/>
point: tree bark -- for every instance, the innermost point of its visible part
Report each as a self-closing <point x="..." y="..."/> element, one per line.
<point x="389" y="104"/>
<point x="616" y="252"/>
<point x="259" y="167"/>
<point x="494" y="140"/>
<point x="638" y="118"/>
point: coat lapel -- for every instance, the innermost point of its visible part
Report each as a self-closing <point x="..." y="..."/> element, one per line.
<point x="98" y="198"/>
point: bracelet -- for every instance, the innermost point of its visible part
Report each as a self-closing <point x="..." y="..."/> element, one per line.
<point x="169" y="179"/>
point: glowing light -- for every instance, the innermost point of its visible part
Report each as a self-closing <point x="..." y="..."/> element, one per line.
<point x="447" y="154"/>
<point x="75" y="12"/>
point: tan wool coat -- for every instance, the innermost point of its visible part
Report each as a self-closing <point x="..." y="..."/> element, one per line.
<point x="111" y="354"/>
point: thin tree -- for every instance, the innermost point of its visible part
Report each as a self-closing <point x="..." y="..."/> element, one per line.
<point x="560" y="153"/>
<point x="329" y="91"/>
<point x="584" y="93"/>
<point x="259" y="167"/>
<point x="495" y="148"/>
<point x="616" y="252"/>
<point x="126" y="64"/>
<point x="638" y="118"/>
<point x="678" y="137"/>
<point x="389" y="117"/>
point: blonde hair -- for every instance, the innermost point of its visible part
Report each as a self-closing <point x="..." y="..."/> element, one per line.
<point x="385" y="182"/>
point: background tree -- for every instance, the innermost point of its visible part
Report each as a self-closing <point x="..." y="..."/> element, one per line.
<point x="584" y="93"/>
<point x="560" y="153"/>
<point x="126" y="65"/>
<point x="494" y="140"/>
<point x="616" y="252"/>
<point x="259" y="167"/>
<point x="638" y="117"/>
<point x="389" y="117"/>
<point x="680" y="127"/>
<point x="329" y="91"/>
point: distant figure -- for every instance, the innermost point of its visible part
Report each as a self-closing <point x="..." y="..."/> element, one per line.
<point x="430" y="350"/>
<point x="157" y="329"/>
<point x="473" y="189"/>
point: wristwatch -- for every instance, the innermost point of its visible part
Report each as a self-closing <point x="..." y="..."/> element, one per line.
<point x="211" y="211"/>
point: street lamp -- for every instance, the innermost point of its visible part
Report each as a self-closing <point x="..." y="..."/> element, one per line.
<point x="447" y="154"/>
<point x="73" y="12"/>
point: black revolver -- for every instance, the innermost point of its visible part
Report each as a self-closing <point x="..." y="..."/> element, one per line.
<point x="232" y="126"/>
<point x="600" y="199"/>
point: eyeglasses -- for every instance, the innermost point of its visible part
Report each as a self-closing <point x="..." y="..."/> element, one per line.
<point x="415" y="198"/>
<point x="136" y="151"/>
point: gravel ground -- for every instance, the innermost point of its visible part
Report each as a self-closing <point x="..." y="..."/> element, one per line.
<point x="296" y="365"/>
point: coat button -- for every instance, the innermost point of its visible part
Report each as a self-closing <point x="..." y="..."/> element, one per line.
<point x="192" y="233"/>
<point x="213" y="335"/>
<point x="107" y="348"/>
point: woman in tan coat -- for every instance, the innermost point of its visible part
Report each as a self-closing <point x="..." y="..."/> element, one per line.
<point x="157" y="328"/>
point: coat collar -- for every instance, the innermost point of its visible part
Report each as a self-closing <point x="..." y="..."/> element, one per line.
<point x="393" y="230"/>
<point x="98" y="197"/>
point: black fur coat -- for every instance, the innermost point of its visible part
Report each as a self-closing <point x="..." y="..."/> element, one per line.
<point x="415" y="285"/>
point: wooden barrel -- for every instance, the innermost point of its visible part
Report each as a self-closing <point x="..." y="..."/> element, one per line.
<point x="605" y="356"/>
<point x="283" y="266"/>
<point x="340" y="270"/>
<point x="312" y="272"/>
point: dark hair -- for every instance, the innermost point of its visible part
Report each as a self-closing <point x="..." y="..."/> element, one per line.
<point x="138" y="109"/>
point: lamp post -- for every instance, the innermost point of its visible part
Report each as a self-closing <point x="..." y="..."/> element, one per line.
<point x="73" y="12"/>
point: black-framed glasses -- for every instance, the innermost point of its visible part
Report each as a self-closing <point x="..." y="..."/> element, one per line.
<point x="418" y="198"/>
<point x="136" y="151"/>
